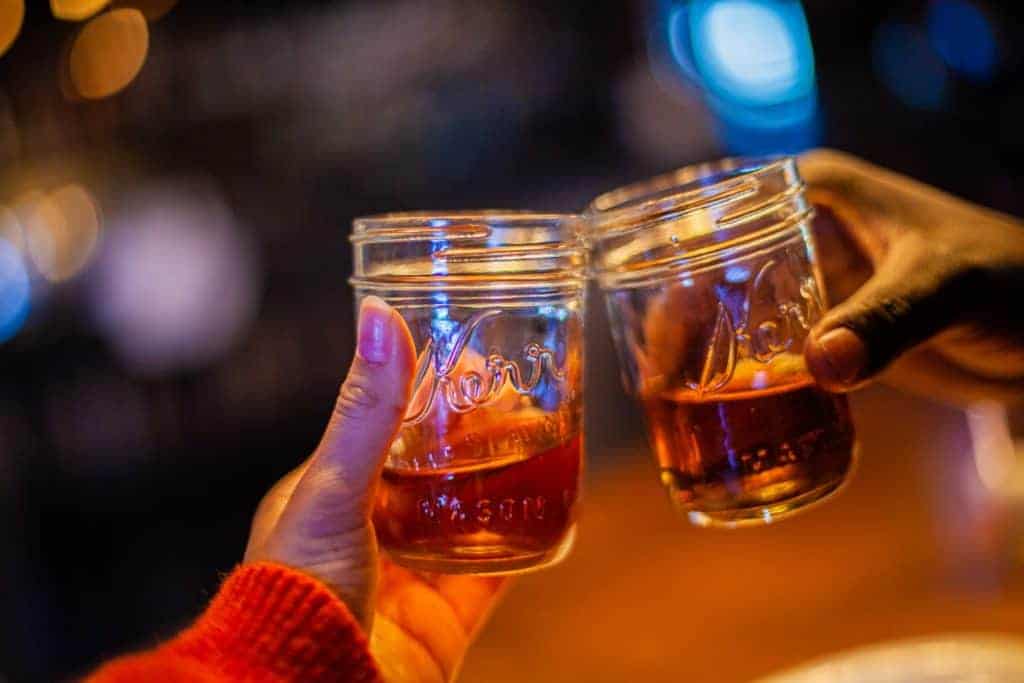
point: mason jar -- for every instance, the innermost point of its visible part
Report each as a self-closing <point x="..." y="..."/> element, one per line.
<point x="484" y="476"/>
<point x="712" y="287"/>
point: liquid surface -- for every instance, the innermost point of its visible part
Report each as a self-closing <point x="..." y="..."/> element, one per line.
<point x="510" y="513"/>
<point x="745" y="453"/>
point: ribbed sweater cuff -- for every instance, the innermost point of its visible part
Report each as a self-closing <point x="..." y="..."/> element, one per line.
<point x="270" y="622"/>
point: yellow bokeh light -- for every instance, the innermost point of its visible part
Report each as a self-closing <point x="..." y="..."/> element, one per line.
<point x="76" y="10"/>
<point x="62" y="232"/>
<point x="10" y="228"/>
<point x="12" y="13"/>
<point x="108" y="53"/>
<point x="23" y="205"/>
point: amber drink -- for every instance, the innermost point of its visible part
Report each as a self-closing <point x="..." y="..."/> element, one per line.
<point x="511" y="509"/>
<point x="765" y="449"/>
<point x="711" y="283"/>
<point x="484" y="475"/>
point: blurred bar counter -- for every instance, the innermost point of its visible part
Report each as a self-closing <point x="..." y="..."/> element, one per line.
<point x="913" y="546"/>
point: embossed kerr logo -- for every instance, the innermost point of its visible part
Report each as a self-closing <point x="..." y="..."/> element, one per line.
<point x="760" y="339"/>
<point x="457" y="381"/>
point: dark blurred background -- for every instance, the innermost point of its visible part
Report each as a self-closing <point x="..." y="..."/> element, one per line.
<point x="178" y="180"/>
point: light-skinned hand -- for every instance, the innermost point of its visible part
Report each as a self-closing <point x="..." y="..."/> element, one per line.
<point x="317" y="520"/>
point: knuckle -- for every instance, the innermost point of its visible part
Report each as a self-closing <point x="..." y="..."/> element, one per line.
<point x="876" y="319"/>
<point x="331" y="479"/>
<point x="892" y="309"/>
<point x="356" y="398"/>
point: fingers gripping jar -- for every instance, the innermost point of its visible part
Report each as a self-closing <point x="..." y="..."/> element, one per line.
<point x="484" y="476"/>
<point x="711" y="284"/>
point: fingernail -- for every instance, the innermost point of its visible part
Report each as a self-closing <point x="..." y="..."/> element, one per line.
<point x="844" y="354"/>
<point x="376" y="331"/>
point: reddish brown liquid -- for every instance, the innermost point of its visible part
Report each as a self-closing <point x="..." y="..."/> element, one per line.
<point x="734" y="454"/>
<point x="499" y="511"/>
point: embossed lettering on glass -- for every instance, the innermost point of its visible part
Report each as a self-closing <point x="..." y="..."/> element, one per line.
<point x="484" y="476"/>
<point x="711" y="283"/>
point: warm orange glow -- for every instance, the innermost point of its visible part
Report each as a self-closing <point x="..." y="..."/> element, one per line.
<point x="12" y="12"/>
<point x="76" y="10"/>
<point x="62" y="231"/>
<point x="108" y="53"/>
<point x="151" y="9"/>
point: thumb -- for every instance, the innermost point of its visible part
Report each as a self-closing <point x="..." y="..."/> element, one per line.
<point x="325" y="528"/>
<point x="370" y="405"/>
<point x="913" y="295"/>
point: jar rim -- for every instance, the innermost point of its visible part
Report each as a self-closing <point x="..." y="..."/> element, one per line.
<point x="683" y="190"/>
<point x="693" y="217"/>
<point x="482" y="249"/>
<point x="417" y="225"/>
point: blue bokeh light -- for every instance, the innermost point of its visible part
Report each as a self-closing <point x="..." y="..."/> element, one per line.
<point x="755" y="140"/>
<point x="964" y="38"/>
<point x="754" y="61"/>
<point x="908" y="66"/>
<point x="15" y="290"/>
<point x="752" y="52"/>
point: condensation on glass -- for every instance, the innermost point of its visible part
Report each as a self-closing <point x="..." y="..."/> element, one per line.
<point x="711" y="284"/>
<point x="484" y="476"/>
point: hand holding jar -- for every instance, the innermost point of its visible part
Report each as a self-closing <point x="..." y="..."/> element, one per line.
<point x="484" y="475"/>
<point x="712" y="288"/>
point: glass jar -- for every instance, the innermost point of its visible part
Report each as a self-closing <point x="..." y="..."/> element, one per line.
<point x="711" y="284"/>
<point x="484" y="476"/>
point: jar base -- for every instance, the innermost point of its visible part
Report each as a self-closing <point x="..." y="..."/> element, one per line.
<point x="485" y="560"/>
<point x="759" y="515"/>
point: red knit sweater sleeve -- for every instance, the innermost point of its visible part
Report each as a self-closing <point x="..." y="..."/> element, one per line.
<point x="268" y="623"/>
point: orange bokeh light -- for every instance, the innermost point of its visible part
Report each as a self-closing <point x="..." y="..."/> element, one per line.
<point x="62" y="231"/>
<point x="12" y="13"/>
<point x="76" y="10"/>
<point x="108" y="53"/>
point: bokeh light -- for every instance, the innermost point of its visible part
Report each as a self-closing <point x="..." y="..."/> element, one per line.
<point x="906" y="63"/>
<point x="10" y="228"/>
<point x="151" y="9"/>
<point x="754" y="62"/>
<point x="753" y="52"/>
<point x="62" y="230"/>
<point x="14" y="290"/>
<point x="22" y="209"/>
<point x="108" y="53"/>
<point x="76" y="10"/>
<point x="177" y="282"/>
<point x="964" y="38"/>
<point x="12" y="14"/>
